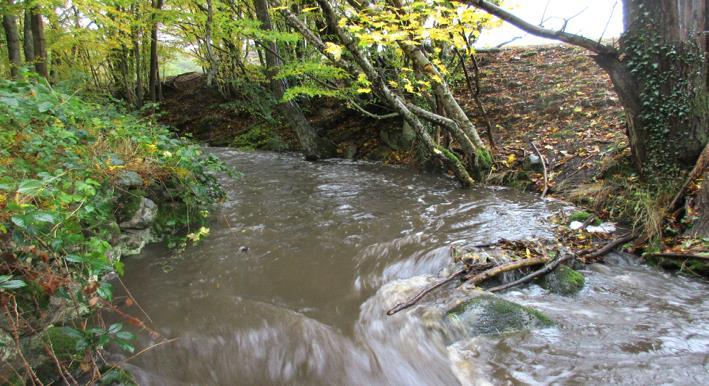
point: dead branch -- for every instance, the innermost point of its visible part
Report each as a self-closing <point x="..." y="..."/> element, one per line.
<point x="588" y="221"/>
<point x="699" y="168"/>
<point x="492" y="272"/>
<point x="561" y="35"/>
<point x="550" y="266"/>
<point x="604" y="250"/>
<point x="677" y="255"/>
<point x="544" y="168"/>
<point x="420" y="295"/>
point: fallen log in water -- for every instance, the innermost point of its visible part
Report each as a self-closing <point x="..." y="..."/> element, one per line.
<point x="478" y="273"/>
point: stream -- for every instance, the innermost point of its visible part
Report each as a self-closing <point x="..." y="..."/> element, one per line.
<point x="303" y="259"/>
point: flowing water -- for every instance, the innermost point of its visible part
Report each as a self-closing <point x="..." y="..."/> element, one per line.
<point x="303" y="259"/>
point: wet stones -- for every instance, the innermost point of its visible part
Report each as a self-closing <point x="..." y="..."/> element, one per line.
<point x="143" y="215"/>
<point x="488" y="314"/>
<point x="563" y="281"/>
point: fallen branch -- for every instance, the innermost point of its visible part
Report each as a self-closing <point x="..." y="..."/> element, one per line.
<point x="595" y="253"/>
<point x="677" y="255"/>
<point x="550" y="266"/>
<point x="588" y="222"/>
<point x="420" y="295"/>
<point x="544" y="168"/>
<point x="492" y="272"/>
<point x="699" y="168"/>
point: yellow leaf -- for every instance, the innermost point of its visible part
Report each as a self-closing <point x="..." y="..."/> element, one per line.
<point x="511" y="159"/>
<point x="364" y="90"/>
<point x="334" y="50"/>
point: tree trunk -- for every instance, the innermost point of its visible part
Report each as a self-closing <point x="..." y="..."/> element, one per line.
<point x="662" y="82"/>
<point x="9" y="23"/>
<point x="212" y="71"/>
<point x="313" y="147"/>
<point x="40" y="49"/>
<point x="154" y="80"/>
<point x="137" y="57"/>
<point x="659" y="74"/>
<point x="27" y="44"/>
<point x="394" y="100"/>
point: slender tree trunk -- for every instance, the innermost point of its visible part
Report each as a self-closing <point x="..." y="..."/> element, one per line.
<point x="312" y="146"/>
<point x="211" y="73"/>
<point x="9" y="23"/>
<point x="394" y="100"/>
<point x="40" y="49"/>
<point x="137" y="57"/>
<point x="154" y="81"/>
<point x="27" y="41"/>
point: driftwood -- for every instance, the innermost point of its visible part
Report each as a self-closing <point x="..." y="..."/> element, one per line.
<point x="420" y="295"/>
<point x="492" y="272"/>
<point x="550" y="266"/>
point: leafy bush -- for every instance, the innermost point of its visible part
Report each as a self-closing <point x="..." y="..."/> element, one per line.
<point x="61" y="159"/>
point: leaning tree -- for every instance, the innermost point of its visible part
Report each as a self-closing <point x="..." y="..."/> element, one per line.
<point x="659" y="72"/>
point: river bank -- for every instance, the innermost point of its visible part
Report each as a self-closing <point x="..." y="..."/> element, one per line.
<point x="81" y="186"/>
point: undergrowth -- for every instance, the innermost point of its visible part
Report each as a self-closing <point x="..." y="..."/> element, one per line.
<point x="60" y="158"/>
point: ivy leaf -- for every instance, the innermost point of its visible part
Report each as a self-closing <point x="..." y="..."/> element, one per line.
<point x="30" y="187"/>
<point x="7" y="283"/>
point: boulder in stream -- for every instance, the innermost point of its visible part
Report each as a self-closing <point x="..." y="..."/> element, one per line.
<point x="563" y="281"/>
<point x="488" y="314"/>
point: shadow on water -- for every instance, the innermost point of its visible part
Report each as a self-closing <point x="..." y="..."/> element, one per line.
<point x="304" y="258"/>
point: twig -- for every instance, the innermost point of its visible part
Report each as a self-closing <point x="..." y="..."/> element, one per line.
<point x="134" y="300"/>
<point x="550" y="266"/>
<point x="544" y="168"/>
<point x="141" y="352"/>
<point x="677" y="255"/>
<point x="608" y="22"/>
<point x="420" y="295"/>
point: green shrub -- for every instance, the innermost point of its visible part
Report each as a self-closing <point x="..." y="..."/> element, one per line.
<point x="60" y="159"/>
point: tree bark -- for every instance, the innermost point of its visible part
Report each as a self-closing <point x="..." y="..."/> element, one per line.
<point x="39" y="44"/>
<point x="9" y="23"/>
<point x="27" y="42"/>
<point x="154" y="80"/>
<point x="312" y="146"/>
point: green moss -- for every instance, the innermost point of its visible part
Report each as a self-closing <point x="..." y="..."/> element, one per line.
<point x="260" y="137"/>
<point x="563" y="281"/>
<point x="484" y="158"/>
<point x="63" y="344"/>
<point x="579" y="215"/>
<point x="489" y="314"/>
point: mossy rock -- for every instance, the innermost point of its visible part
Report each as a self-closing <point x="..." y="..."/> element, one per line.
<point x="492" y="315"/>
<point x="563" y="281"/>
<point x="579" y="215"/>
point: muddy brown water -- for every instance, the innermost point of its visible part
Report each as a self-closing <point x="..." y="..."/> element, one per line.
<point x="303" y="259"/>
